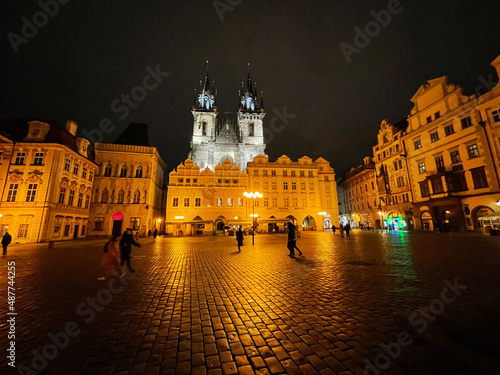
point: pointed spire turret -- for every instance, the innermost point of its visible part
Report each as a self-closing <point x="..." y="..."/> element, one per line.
<point x="207" y="97"/>
<point x="249" y="98"/>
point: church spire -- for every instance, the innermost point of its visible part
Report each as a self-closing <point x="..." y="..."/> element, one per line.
<point x="249" y="99"/>
<point x="207" y="96"/>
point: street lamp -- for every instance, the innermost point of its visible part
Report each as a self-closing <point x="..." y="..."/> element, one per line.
<point x="253" y="216"/>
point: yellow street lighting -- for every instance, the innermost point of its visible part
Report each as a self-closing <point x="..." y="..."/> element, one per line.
<point x="252" y="195"/>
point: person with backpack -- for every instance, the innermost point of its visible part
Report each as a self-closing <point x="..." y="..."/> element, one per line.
<point x="126" y="248"/>
<point x="111" y="258"/>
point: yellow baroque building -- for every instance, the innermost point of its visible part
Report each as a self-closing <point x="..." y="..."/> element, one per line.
<point x="210" y="202"/>
<point x="128" y="188"/>
<point x="46" y="177"/>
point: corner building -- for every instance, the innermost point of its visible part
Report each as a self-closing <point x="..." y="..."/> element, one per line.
<point x="46" y="176"/>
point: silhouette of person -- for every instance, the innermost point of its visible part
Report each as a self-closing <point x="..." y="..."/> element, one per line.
<point x="347" y="229"/>
<point x="239" y="238"/>
<point x="6" y="240"/>
<point x="126" y="248"/>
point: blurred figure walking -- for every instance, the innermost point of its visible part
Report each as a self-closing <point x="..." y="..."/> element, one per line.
<point x="239" y="238"/>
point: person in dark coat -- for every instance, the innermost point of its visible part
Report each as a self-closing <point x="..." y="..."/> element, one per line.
<point x="6" y="240"/>
<point x="292" y="240"/>
<point x="334" y="228"/>
<point x="155" y="233"/>
<point x="126" y="248"/>
<point x="239" y="238"/>
<point x="347" y="229"/>
<point x="149" y="233"/>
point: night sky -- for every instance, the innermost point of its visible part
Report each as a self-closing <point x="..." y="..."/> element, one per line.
<point x="92" y="52"/>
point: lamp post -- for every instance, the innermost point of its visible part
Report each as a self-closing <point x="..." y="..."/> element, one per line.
<point x="252" y="196"/>
<point x="381" y="213"/>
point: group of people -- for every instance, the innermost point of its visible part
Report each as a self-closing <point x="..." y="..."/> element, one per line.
<point x="291" y="243"/>
<point x="117" y="253"/>
<point x="154" y="233"/>
<point x="343" y="228"/>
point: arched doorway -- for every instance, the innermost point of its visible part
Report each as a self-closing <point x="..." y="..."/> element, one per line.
<point x="426" y="219"/>
<point x="450" y="222"/>
<point x="309" y="223"/>
<point x="478" y="212"/>
<point x="396" y="220"/>
<point x="117" y="219"/>
<point x="220" y="225"/>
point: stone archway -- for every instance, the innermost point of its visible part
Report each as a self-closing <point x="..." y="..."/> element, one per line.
<point x="309" y="223"/>
<point x="426" y="220"/>
<point x="478" y="212"/>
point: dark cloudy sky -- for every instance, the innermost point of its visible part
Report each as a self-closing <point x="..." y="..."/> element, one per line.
<point x="92" y="52"/>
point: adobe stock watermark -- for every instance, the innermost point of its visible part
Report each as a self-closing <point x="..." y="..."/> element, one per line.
<point x="485" y="85"/>
<point x="283" y="118"/>
<point x="419" y="320"/>
<point x="29" y="29"/>
<point x="223" y="6"/>
<point x="59" y="341"/>
<point x="127" y="102"/>
<point x="372" y="29"/>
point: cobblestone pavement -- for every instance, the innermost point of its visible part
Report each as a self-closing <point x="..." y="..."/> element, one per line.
<point x="196" y="305"/>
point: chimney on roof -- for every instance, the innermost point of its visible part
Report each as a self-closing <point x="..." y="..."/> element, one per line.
<point x="71" y="126"/>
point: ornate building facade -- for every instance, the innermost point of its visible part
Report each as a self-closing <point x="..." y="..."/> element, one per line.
<point x="46" y="175"/>
<point x="216" y="139"/>
<point x="128" y="188"/>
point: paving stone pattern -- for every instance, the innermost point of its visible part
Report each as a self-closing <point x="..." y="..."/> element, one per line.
<point x="197" y="306"/>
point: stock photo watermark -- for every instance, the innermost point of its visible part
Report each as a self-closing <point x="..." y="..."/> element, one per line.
<point x="59" y="341"/>
<point x="127" y="102"/>
<point x="419" y="319"/>
<point x="30" y="27"/>
<point x="363" y="36"/>
<point x="223" y="6"/>
<point x="283" y="118"/>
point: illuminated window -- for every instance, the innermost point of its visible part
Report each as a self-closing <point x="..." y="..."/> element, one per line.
<point x="434" y="136"/>
<point x="455" y="157"/>
<point x="134" y="223"/>
<point x="421" y="167"/>
<point x="219" y="202"/>
<point x="417" y="144"/>
<point x="30" y="196"/>
<point x="311" y="186"/>
<point x="230" y="202"/>
<point x="472" y="151"/>
<point x="240" y="202"/>
<point x="439" y="163"/>
<point x="11" y="195"/>
<point x="255" y="172"/>
<point x="23" y="231"/>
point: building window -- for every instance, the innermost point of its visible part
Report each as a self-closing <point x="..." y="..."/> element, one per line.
<point x="23" y="231"/>
<point x="313" y="202"/>
<point x="273" y="185"/>
<point x="204" y="128"/>
<point x="123" y="171"/>
<point x="439" y="163"/>
<point x="395" y="165"/>
<point x="80" y="200"/>
<point x="455" y="157"/>
<point x="390" y="150"/>
<point x="91" y="176"/>
<point x="294" y="186"/>
<point x="266" y="202"/>
<point x="448" y="130"/>
<point x="466" y="122"/>
<point x="304" y="202"/>
<point x="285" y="173"/>
<point x="295" y="202"/>
<point x="67" y="164"/>
<point x="67" y="227"/>
<point x="421" y="167"/>
<point x="107" y="171"/>
<point x="99" y="223"/>
<point x="424" y="189"/>
<point x="473" y="151"/>
<point x="11" y="195"/>
<point x="479" y="178"/>
<point x="134" y="223"/>
<point x="275" y="202"/>
<point x="401" y="182"/>
<point x="250" y="129"/>
<point x="383" y="154"/>
<point x="397" y="148"/>
<point x="230" y="202"/>
<point x="378" y="156"/>
<point x="456" y="182"/>
<point x="76" y="166"/>
<point x="302" y="174"/>
<point x="429" y="119"/>
<point x="373" y="185"/>
<point x="273" y="172"/>
<point x="84" y="172"/>
<point x="266" y="185"/>
<point x="175" y="202"/>
<point x="287" y="202"/>
<point x="87" y="201"/>
<point x="138" y="172"/>
<point x="437" y="115"/>
<point x="311" y="174"/>
<point x="240" y="202"/>
<point x="20" y="158"/>
<point x="137" y="197"/>
<point x="311" y="186"/>
<point x="121" y="195"/>
<point x="30" y="196"/>
<point x="437" y="185"/>
<point x="195" y="181"/>
<point x="197" y="202"/>
<point x="62" y="195"/>
<point x="38" y="160"/>
<point x="417" y="144"/>
<point x="434" y="136"/>
<point x="71" y="197"/>
<point x="219" y="202"/>
<point x="104" y="196"/>
<point x="285" y="185"/>
<point x="293" y="173"/>
<point x="496" y="115"/>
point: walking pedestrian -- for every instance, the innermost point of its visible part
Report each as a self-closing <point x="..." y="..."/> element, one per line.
<point x="126" y="248"/>
<point x="341" y="231"/>
<point x="347" y="229"/>
<point x="149" y="233"/>
<point x="296" y="235"/>
<point x="155" y="233"/>
<point x="291" y="236"/>
<point x="111" y="258"/>
<point x="6" y="240"/>
<point x="334" y="228"/>
<point x="239" y="238"/>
